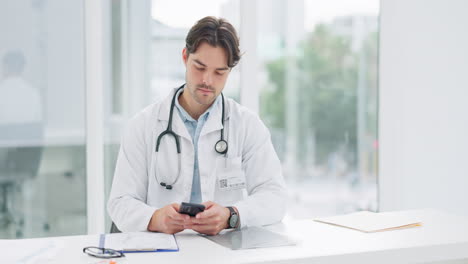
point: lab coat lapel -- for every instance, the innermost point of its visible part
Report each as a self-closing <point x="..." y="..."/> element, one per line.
<point x="214" y="120"/>
<point x="177" y="125"/>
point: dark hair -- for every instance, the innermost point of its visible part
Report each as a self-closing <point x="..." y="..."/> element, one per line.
<point x="216" y="32"/>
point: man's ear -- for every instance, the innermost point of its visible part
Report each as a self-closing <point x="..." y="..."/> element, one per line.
<point x="185" y="55"/>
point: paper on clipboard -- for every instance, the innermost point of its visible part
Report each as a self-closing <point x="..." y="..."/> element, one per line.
<point x="369" y="222"/>
<point x="139" y="242"/>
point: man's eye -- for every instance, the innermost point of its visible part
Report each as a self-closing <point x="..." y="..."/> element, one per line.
<point x="199" y="69"/>
<point x="220" y="73"/>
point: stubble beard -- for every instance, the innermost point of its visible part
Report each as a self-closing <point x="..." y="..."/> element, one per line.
<point x="203" y="100"/>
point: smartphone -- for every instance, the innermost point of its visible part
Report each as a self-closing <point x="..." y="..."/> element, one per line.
<point x="191" y="209"/>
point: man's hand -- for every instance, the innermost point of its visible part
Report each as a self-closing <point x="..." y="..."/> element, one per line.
<point x="168" y="220"/>
<point x="211" y="221"/>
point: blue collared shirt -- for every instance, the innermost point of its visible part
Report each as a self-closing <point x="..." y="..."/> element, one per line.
<point x="194" y="128"/>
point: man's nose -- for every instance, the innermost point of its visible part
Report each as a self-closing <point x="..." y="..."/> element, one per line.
<point x="207" y="79"/>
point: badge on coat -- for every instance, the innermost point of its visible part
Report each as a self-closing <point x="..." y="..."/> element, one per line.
<point x="230" y="174"/>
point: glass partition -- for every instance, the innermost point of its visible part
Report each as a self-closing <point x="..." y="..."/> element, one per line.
<point x="42" y="119"/>
<point x="319" y="98"/>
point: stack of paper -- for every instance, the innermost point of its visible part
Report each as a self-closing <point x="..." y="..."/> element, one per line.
<point x="372" y="222"/>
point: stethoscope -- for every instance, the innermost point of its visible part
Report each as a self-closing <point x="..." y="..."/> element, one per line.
<point x="221" y="146"/>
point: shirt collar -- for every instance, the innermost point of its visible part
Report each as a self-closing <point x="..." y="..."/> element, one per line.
<point x="185" y="116"/>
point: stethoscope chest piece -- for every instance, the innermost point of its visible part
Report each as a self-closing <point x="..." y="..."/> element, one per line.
<point x="221" y="146"/>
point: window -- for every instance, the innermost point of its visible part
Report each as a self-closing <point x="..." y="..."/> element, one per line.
<point x="319" y="98"/>
<point x="42" y="119"/>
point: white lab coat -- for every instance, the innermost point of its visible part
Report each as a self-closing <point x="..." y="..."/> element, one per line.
<point x="136" y="194"/>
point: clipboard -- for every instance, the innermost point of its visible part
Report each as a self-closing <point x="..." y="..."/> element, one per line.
<point x="139" y="242"/>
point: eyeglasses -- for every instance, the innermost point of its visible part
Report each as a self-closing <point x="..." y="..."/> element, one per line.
<point x="103" y="252"/>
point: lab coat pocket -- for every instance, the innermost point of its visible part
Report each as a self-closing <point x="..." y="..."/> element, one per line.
<point x="229" y="174"/>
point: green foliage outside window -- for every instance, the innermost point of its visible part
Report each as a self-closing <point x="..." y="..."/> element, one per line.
<point x="327" y="93"/>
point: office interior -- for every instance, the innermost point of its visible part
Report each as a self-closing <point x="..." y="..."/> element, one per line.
<point x="365" y="100"/>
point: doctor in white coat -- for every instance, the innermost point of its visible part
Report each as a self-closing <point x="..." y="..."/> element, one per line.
<point x="239" y="181"/>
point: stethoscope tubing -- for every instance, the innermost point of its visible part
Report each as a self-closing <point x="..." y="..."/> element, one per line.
<point x="221" y="145"/>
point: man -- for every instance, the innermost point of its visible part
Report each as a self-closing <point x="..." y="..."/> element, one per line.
<point x="240" y="183"/>
<point x="20" y="102"/>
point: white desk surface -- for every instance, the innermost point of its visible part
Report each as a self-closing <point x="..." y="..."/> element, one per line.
<point x="443" y="237"/>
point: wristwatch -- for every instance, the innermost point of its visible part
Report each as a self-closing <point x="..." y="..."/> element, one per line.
<point x="233" y="220"/>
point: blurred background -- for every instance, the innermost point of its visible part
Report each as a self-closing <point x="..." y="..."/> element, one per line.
<point x="310" y="69"/>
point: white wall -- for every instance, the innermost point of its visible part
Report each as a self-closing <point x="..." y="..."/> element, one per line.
<point x="423" y="126"/>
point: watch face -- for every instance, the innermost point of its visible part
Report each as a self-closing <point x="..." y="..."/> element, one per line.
<point x="233" y="220"/>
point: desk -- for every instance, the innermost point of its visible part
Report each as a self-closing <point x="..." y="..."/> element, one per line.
<point x="443" y="237"/>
